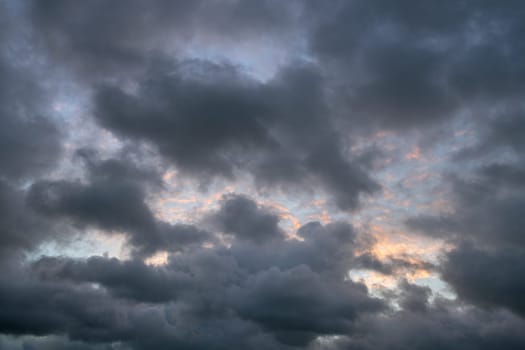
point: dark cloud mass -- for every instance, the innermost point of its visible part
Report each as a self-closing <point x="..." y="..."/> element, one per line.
<point x="211" y="120"/>
<point x="102" y="299"/>
<point x="487" y="221"/>
<point x="113" y="200"/>
<point x="240" y="216"/>
<point x="30" y="141"/>
<point x="261" y="174"/>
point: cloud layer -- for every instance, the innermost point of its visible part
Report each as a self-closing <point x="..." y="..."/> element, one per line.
<point x="262" y="175"/>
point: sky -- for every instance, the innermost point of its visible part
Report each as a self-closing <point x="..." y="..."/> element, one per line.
<point x="262" y="174"/>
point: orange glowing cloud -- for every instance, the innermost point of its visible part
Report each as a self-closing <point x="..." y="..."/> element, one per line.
<point x="414" y="154"/>
<point x="417" y="253"/>
<point x="158" y="259"/>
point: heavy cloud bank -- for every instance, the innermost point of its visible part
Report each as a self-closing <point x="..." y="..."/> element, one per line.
<point x="173" y="84"/>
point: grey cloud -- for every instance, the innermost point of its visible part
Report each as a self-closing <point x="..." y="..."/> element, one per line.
<point x="49" y="343"/>
<point x="21" y="229"/>
<point x="415" y="65"/>
<point x="406" y="66"/>
<point x="310" y="306"/>
<point x="100" y="40"/>
<point x="193" y="122"/>
<point x="485" y="209"/>
<point x="489" y="278"/>
<point x="486" y="223"/>
<point x="125" y="279"/>
<point x="216" y="124"/>
<point x="442" y="326"/>
<point x="294" y="305"/>
<point x="327" y="250"/>
<point x="242" y="217"/>
<point x="201" y="294"/>
<point x="390" y="266"/>
<point x="414" y="298"/>
<point x="501" y="134"/>
<point x="113" y="204"/>
<point x="40" y="308"/>
<point x="31" y="143"/>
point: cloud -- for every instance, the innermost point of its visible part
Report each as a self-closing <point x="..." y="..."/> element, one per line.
<point x="199" y="293"/>
<point x="442" y="326"/>
<point x="211" y="120"/>
<point x="97" y="40"/>
<point x="487" y="277"/>
<point x="20" y="227"/>
<point x="327" y="307"/>
<point x="114" y="204"/>
<point x="486" y="223"/>
<point x="292" y="102"/>
<point x="240" y="216"/>
<point x="31" y="142"/>
<point x="413" y="66"/>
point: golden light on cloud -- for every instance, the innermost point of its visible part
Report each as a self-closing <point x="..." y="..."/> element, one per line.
<point x="416" y="253"/>
<point x="391" y="244"/>
<point x="158" y="259"/>
<point x="414" y="154"/>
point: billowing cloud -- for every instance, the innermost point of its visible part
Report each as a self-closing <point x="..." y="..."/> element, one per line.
<point x="197" y="143"/>
<point x="210" y="120"/>
<point x="106" y="300"/>
<point x="30" y="140"/>
<point x="114" y="204"/>
<point x="240" y="216"/>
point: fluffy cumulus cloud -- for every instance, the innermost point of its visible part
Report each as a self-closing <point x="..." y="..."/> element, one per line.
<point x="221" y="174"/>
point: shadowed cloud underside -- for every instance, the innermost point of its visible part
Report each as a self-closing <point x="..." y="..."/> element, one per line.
<point x="260" y="174"/>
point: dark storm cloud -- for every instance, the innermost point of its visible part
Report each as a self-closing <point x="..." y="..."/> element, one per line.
<point x="211" y="120"/>
<point x="495" y="221"/>
<point x="403" y="66"/>
<point x="194" y="122"/>
<point x="31" y="143"/>
<point x="221" y="121"/>
<point x="113" y="203"/>
<point x="487" y="221"/>
<point x="242" y="308"/>
<point x="326" y="250"/>
<point x="327" y="307"/>
<point x="490" y="278"/>
<point x="390" y="77"/>
<point x="410" y="64"/>
<point x="125" y="279"/>
<point x="502" y="133"/>
<point x="201" y="294"/>
<point x="126" y="166"/>
<point x="414" y="298"/>
<point x="21" y="229"/>
<point x="487" y="207"/>
<point x="489" y="216"/>
<point x="423" y="323"/>
<point x="442" y="326"/>
<point x="89" y="316"/>
<point x="48" y="343"/>
<point x="102" y="40"/>
<point x="240" y="216"/>
<point x="38" y="308"/>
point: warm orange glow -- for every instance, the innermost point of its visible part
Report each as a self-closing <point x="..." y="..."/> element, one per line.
<point x="414" y="154"/>
<point x="158" y="259"/>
